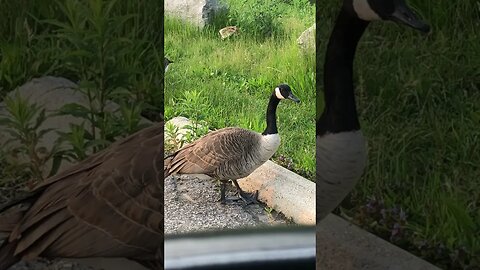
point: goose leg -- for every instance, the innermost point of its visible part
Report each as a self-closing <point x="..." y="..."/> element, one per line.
<point x="248" y="198"/>
<point x="223" y="186"/>
<point x="223" y="198"/>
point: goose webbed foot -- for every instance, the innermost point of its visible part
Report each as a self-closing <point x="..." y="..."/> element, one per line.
<point x="223" y="198"/>
<point x="247" y="197"/>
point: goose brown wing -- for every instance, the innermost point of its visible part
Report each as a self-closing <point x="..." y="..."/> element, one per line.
<point x="211" y="152"/>
<point x="108" y="205"/>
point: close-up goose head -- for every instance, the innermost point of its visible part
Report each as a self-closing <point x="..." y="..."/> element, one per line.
<point x="388" y="10"/>
<point x="283" y="91"/>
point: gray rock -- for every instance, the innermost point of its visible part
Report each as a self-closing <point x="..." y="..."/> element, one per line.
<point x="197" y="12"/>
<point x="307" y="39"/>
<point x="180" y="123"/>
<point x="50" y="93"/>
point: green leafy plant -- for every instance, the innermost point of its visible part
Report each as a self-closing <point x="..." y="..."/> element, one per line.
<point x="23" y="123"/>
<point x="257" y="17"/>
<point x="104" y="62"/>
<point x="268" y="210"/>
<point x="173" y="142"/>
<point x="196" y="130"/>
<point x="193" y="104"/>
<point x="191" y="133"/>
<point x="79" y="143"/>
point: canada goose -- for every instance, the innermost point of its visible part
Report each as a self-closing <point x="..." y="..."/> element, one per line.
<point x="341" y="150"/>
<point x="167" y="62"/>
<point x="109" y="205"/>
<point x="231" y="153"/>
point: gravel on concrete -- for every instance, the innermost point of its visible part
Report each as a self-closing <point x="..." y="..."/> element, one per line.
<point x="192" y="205"/>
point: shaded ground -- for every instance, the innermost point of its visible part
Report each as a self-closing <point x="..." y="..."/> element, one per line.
<point x="49" y="265"/>
<point x="191" y="204"/>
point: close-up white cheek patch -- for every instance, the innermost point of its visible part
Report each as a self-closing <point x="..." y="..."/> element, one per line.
<point x="364" y="11"/>
<point x="278" y="93"/>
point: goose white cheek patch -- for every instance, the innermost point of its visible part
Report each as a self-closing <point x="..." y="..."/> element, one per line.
<point x="278" y="93"/>
<point x="364" y="11"/>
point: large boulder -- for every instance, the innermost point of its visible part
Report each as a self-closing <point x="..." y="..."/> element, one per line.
<point x="307" y="39"/>
<point x="197" y="12"/>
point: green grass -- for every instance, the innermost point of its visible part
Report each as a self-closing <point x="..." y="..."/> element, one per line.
<point x="228" y="83"/>
<point x="419" y="103"/>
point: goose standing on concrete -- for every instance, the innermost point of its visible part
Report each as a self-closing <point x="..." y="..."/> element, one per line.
<point x="341" y="149"/>
<point x="109" y="205"/>
<point x="231" y="153"/>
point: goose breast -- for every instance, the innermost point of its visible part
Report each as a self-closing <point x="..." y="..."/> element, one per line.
<point x="341" y="159"/>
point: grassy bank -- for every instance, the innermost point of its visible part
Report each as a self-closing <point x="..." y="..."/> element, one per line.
<point x="419" y="103"/>
<point x="228" y="82"/>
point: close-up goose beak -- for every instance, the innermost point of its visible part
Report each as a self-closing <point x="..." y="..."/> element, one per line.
<point x="293" y="97"/>
<point x="404" y="15"/>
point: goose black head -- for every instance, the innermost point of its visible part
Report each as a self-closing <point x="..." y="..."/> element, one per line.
<point x="283" y="91"/>
<point x="392" y="10"/>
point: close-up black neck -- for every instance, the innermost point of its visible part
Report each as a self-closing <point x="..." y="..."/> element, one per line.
<point x="272" y="116"/>
<point x="340" y="113"/>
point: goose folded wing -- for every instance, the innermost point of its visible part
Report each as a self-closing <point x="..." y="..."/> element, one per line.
<point x="212" y="152"/>
<point x="113" y="207"/>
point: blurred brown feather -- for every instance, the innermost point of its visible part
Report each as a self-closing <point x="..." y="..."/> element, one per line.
<point x="109" y="205"/>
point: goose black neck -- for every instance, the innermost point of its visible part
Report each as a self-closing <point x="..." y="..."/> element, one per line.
<point x="272" y="116"/>
<point x="340" y="113"/>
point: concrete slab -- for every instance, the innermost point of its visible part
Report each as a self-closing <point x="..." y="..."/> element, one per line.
<point x="284" y="191"/>
<point x="344" y="246"/>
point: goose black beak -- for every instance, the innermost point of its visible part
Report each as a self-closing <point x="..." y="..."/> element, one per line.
<point x="404" y="15"/>
<point x="294" y="98"/>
